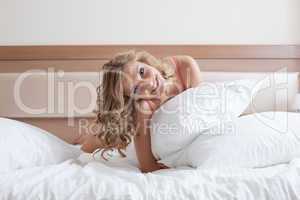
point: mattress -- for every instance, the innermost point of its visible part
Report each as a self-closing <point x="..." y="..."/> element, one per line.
<point x="89" y="178"/>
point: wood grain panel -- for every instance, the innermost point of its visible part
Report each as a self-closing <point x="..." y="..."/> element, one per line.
<point x="107" y="51"/>
<point x="249" y="65"/>
<point x="244" y="65"/>
<point x="65" y="65"/>
<point x="61" y="127"/>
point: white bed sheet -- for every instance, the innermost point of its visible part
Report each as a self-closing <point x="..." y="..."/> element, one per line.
<point x="85" y="178"/>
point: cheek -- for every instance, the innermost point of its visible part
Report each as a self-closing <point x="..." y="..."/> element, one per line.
<point x="142" y="91"/>
<point x="151" y="70"/>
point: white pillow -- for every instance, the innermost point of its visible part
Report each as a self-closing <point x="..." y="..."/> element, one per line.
<point x="277" y="89"/>
<point x="23" y="145"/>
<point x="184" y="117"/>
<point x="256" y="140"/>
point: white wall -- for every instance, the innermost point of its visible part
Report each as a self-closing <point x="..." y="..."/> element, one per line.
<point x="34" y="22"/>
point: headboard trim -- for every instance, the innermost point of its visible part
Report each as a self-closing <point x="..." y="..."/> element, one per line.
<point x="102" y="52"/>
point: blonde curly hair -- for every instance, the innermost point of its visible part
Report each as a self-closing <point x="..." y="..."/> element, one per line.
<point x="115" y="112"/>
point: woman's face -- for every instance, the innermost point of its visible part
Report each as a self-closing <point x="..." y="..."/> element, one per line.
<point x="142" y="80"/>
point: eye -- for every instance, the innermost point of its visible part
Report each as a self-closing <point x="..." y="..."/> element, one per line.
<point x="141" y="71"/>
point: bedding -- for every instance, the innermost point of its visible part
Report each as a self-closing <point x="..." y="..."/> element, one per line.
<point x="24" y="146"/>
<point x="80" y="176"/>
<point x="184" y="117"/>
<point x="85" y="178"/>
<point x="277" y="89"/>
<point x="256" y="140"/>
<point x="88" y="177"/>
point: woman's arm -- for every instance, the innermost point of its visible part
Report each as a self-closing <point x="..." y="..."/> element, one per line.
<point x="89" y="143"/>
<point x="142" y="143"/>
<point x="188" y="70"/>
<point x="190" y="74"/>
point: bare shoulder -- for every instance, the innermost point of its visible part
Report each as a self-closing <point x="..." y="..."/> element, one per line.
<point x="188" y="69"/>
<point x="182" y="62"/>
<point x="179" y="59"/>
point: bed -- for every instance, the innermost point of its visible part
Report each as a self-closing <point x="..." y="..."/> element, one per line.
<point x="86" y="177"/>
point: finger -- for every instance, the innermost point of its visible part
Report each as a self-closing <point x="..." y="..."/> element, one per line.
<point x="162" y="166"/>
<point x="142" y="103"/>
<point x="147" y="97"/>
<point x="80" y="139"/>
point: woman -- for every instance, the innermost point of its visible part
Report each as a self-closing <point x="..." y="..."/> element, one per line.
<point x="134" y="85"/>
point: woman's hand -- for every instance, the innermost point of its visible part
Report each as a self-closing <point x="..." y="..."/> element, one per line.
<point x="89" y="143"/>
<point x="153" y="167"/>
<point x="189" y="71"/>
<point x="162" y="166"/>
<point x="146" y="106"/>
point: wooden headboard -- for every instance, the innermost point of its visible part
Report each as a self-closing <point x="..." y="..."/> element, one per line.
<point x="243" y="58"/>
